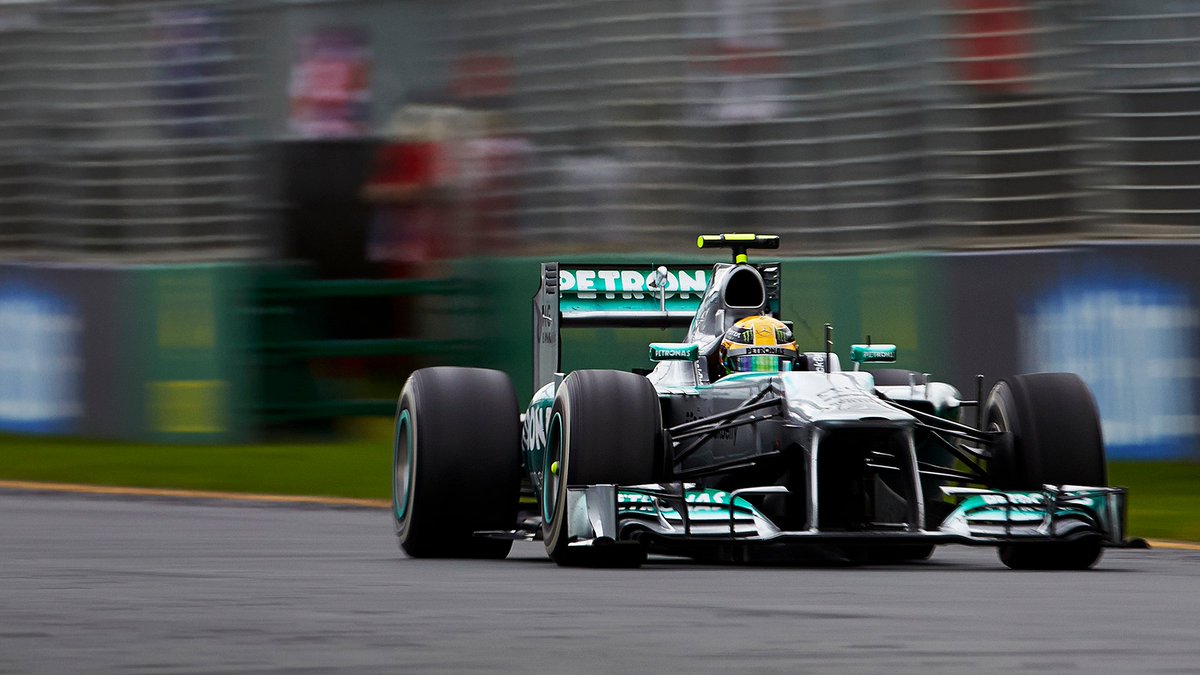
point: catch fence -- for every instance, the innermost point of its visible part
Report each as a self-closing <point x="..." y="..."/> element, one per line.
<point x="141" y="130"/>
<point x="851" y="125"/>
<point x="127" y="132"/>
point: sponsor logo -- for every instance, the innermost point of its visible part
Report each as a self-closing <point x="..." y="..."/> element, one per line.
<point x="705" y="497"/>
<point x="758" y="351"/>
<point x="702" y="505"/>
<point x="873" y="354"/>
<point x="537" y="421"/>
<point x="664" y="353"/>
<point x="708" y="497"/>
<point x="631" y="284"/>
<point x="546" y="329"/>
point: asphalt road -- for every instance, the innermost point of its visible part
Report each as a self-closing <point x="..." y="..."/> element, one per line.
<point x="114" y="585"/>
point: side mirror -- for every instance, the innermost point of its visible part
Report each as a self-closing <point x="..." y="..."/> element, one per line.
<point x="873" y="353"/>
<point x="674" y="351"/>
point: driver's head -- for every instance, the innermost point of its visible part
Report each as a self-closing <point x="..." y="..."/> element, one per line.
<point x="761" y="344"/>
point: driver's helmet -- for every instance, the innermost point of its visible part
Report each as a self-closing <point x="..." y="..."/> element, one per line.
<point x="758" y="344"/>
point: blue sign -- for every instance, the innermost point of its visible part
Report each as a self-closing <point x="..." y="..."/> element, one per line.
<point x="1133" y="341"/>
<point x="41" y="364"/>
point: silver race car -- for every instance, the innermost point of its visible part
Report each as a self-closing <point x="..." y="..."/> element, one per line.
<point x="738" y="447"/>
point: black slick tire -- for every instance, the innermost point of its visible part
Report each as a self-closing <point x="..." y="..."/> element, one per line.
<point x="605" y="428"/>
<point x="1056" y="439"/>
<point x="455" y="463"/>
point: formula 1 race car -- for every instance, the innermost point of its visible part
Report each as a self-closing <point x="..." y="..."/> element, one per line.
<point x="800" y="462"/>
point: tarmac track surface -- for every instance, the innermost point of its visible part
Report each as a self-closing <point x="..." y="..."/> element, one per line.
<point x="92" y="584"/>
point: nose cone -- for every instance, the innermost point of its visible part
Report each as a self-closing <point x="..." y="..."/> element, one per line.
<point x="838" y="399"/>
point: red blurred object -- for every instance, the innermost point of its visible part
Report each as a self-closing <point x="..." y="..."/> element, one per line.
<point x="404" y="230"/>
<point x="995" y="41"/>
<point x="482" y="75"/>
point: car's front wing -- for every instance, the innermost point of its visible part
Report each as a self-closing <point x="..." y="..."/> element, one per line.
<point x="691" y="521"/>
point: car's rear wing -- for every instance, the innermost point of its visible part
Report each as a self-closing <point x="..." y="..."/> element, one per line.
<point x="633" y="296"/>
<point x="649" y="296"/>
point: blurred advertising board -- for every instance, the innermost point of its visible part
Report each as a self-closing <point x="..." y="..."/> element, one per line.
<point x="136" y="353"/>
<point x="188" y="334"/>
<point x="1122" y="316"/>
<point x="43" y="317"/>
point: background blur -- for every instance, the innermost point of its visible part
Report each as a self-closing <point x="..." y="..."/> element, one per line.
<point x="220" y="218"/>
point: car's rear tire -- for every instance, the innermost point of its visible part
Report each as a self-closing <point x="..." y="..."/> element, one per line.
<point x="455" y="463"/>
<point x="605" y="428"/>
<point x="1056" y="439"/>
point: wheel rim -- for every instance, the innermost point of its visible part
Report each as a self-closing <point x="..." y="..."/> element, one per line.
<point x="402" y="453"/>
<point x="995" y="413"/>
<point x="997" y="422"/>
<point x="550" y="479"/>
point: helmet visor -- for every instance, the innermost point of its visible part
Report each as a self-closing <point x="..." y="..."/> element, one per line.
<point x="758" y="364"/>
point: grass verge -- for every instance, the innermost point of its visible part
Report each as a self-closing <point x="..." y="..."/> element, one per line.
<point x="357" y="469"/>
<point x="1164" y="498"/>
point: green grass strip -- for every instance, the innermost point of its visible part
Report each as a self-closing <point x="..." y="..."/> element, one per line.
<point x="357" y="469"/>
<point x="1164" y="498"/>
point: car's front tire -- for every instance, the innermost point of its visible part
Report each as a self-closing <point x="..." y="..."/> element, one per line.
<point x="1056" y="439"/>
<point x="455" y="463"/>
<point x="605" y="428"/>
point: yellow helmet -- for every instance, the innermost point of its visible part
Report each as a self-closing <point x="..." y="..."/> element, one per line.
<point x="758" y="344"/>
